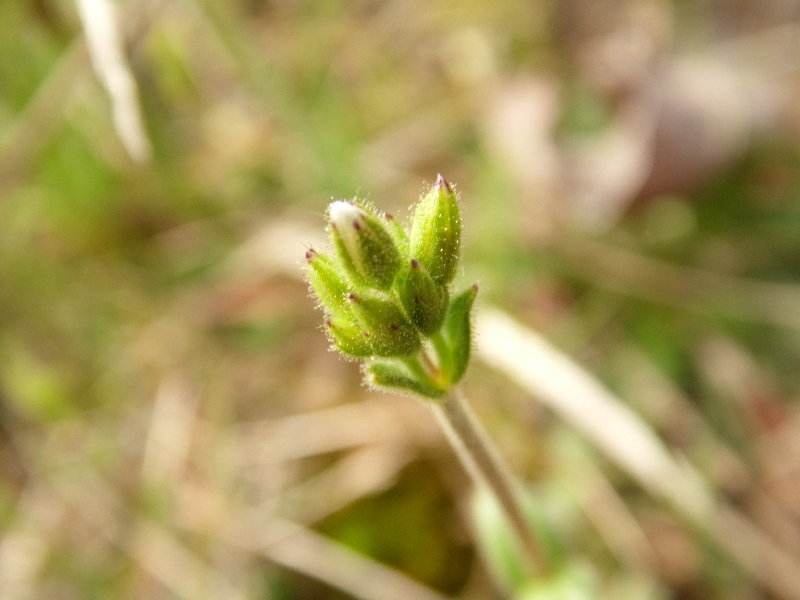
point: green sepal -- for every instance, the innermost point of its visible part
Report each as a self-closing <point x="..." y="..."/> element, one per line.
<point x="388" y="331"/>
<point x="424" y="300"/>
<point x="394" y="376"/>
<point x="457" y="333"/>
<point x="328" y="282"/>
<point x="364" y="245"/>
<point x="399" y="234"/>
<point x="348" y="338"/>
<point x="436" y="232"/>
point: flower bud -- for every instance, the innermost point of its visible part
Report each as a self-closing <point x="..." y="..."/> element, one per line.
<point x="436" y="232"/>
<point x="424" y="300"/>
<point x="388" y="331"/>
<point x="395" y="377"/>
<point x="347" y="338"/>
<point x="328" y="282"/>
<point x="364" y="245"/>
<point x="457" y="331"/>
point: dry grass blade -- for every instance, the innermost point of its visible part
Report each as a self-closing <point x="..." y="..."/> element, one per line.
<point x="618" y="432"/>
<point x="25" y="545"/>
<point x="362" y="472"/>
<point x="612" y="518"/>
<point x="632" y="274"/>
<point x="312" y="554"/>
<point x="166" y="559"/>
<point x="313" y="433"/>
<point x="756" y="552"/>
<point x="169" y="436"/>
<point x="157" y="551"/>
<point x="585" y="403"/>
<point x="104" y="41"/>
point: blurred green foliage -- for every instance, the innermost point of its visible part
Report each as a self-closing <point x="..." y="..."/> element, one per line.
<point x="115" y="276"/>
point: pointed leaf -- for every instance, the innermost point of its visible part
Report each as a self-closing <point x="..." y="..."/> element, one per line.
<point x="457" y="331"/>
<point x="394" y="376"/>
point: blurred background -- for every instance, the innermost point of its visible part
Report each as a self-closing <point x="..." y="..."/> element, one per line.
<point x="172" y="422"/>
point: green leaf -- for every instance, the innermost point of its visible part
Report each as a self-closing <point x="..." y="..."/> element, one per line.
<point x="572" y="582"/>
<point x="457" y="333"/>
<point x="394" y="376"/>
<point x="505" y="557"/>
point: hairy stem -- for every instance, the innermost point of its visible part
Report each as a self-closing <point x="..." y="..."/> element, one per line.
<point x="482" y="461"/>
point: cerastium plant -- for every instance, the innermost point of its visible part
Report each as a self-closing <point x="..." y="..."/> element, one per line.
<point x="387" y="301"/>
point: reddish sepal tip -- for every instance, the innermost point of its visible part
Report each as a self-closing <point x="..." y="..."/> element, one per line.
<point x="441" y="183"/>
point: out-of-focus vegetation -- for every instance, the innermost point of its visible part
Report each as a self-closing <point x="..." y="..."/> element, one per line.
<point x="173" y="424"/>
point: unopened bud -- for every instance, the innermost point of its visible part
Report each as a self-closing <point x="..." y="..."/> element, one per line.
<point x="400" y="234"/>
<point x="328" y="282"/>
<point x="389" y="332"/>
<point x="424" y="300"/>
<point x="436" y="232"/>
<point x="385" y="290"/>
<point x="348" y="338"/>
<point x="364" y="245"/>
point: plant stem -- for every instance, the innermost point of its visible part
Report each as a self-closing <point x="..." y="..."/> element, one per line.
<point x="483" y="462"/>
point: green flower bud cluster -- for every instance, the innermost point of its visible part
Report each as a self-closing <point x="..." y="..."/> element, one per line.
<point x="386" y="293"/>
